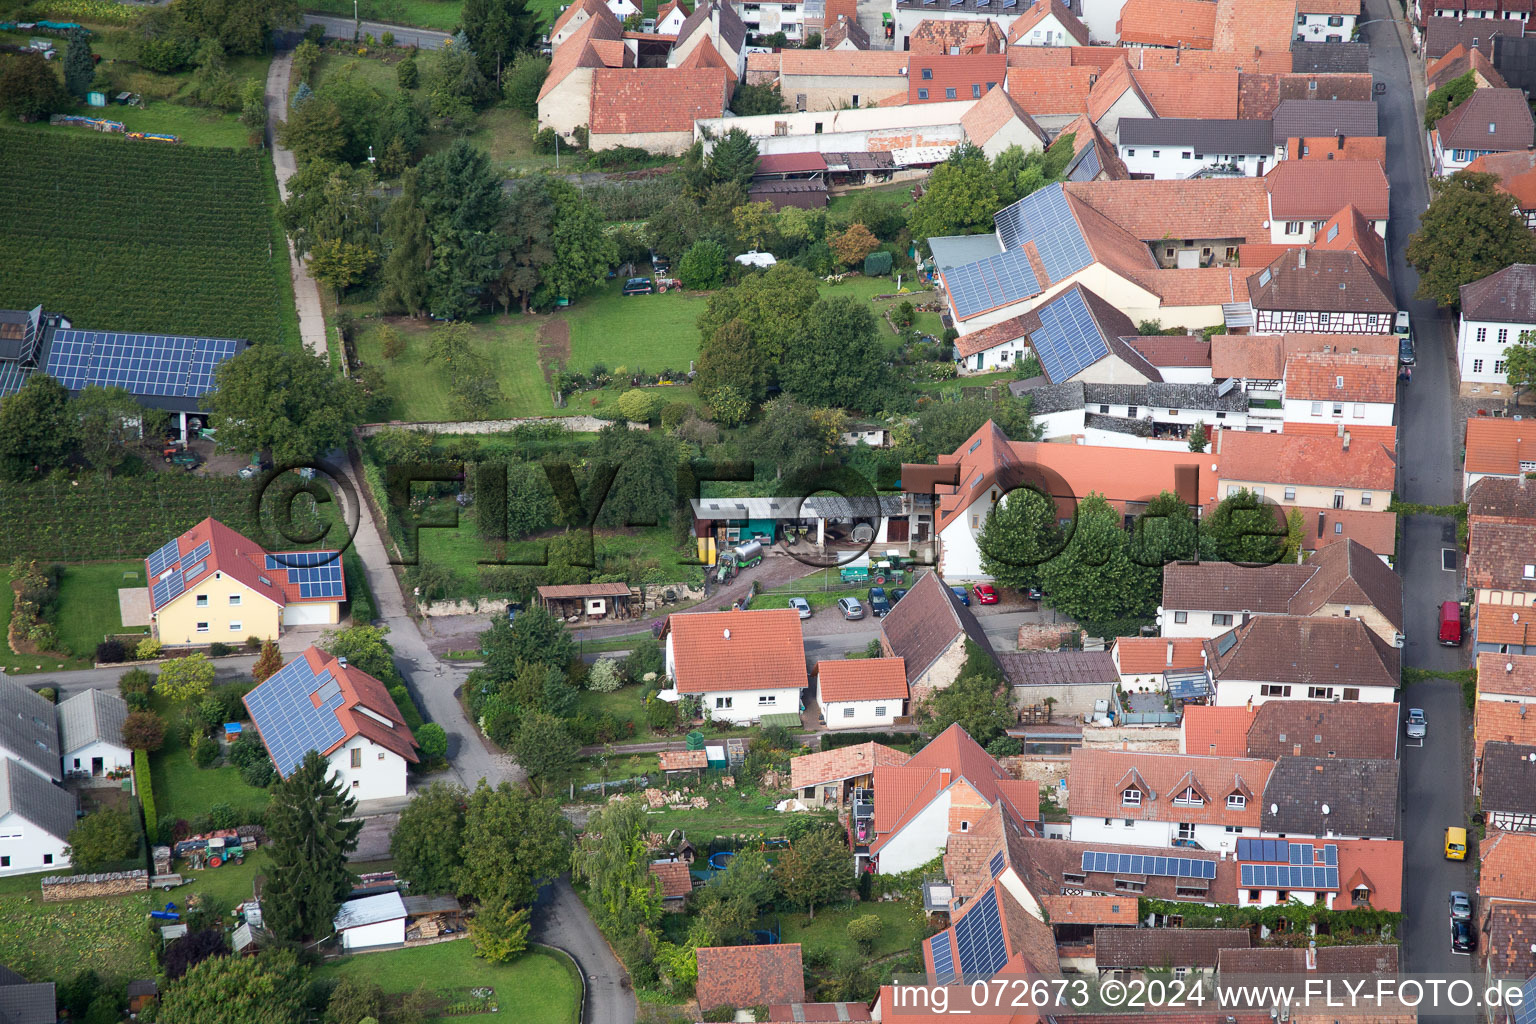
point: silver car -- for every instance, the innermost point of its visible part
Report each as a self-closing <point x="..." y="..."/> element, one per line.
<point x="801" y="606"/>
<point x="1461" y="906"/>
<point x="851" y="607"/>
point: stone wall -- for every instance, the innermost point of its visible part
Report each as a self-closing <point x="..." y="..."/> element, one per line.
<point x="1046" y="769"/>
<point x="113" y="883"/>
<point x="651" y="598"/>
<point x="1041" y="636"/>
<point x="584" y="424"/>
<point x="1149" y="738"/>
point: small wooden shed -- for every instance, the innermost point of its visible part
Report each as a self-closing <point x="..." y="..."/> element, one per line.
<point x="585" y="602"/>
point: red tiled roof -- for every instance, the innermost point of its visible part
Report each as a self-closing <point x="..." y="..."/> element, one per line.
<point x="791" y="163"/>
<point x="589" y="7"/>
<point x="1341" y="376"/>
<point x="1497" y="721"/>
<point x="1114" y="83"/>
<point x="1187" y="23"/>
<point x="1151" y="210"/>
<point x="243" y="559"/>
<point x="1210" y="60"/>
<point x="817" y="1013"/>
<point x="361" y="693"/>
<point x="1498" y="445"/>
<point x="1376" y="530"/>
<point x="1154" y="655"/>
<point x="1216" y="731"/>
<point x="1516" y="172"/>
<point x="901" y="793"/>
<point x="1185" y="92"/>
<point x="1385" y="435"/>
<point x="1506" y="675"/>
<point x="673" y="877"/>
<point x="1338" y="147"/>
<point x="1304" y="461"/>
<point x="579" y="50"/>
<point x="1097" y="780"/>
<point x="749" y="975"/>
<point x="1349" y="230"/>
<point x="1085" y="133"/>
<point x="1508" y="869"/>
<point x="1248" y="26"/>
<point x="682" y="760"/>
<point x="861" y="679"/>
<point x="1318" y="189"/>
<point x="705" y="55"/>
<point x="566" y="591"/>
<point x="629" y="101"/>
<point x="1089" y="909"/>
<point x="946" y="35"/>
<point x="1173" y="350"/>
<point x="969" y="75"/>
<point x="992" y="113"/>
<point x="1501" y="624"/>
<point x="842" y="63"/>
<point x="842" y="763"/>
<point x="1047" y="91"/>
<point x="1489" y="119"/>
<point x="760" y="650"/>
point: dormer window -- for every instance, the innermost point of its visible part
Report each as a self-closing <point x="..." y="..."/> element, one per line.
<point x="1189" y="798"/>
<point x="1131" y="798"/>
<point x="1236" y="802"/>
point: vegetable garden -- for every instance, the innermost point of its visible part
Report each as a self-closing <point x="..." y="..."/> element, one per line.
<point x="159" y="239"/>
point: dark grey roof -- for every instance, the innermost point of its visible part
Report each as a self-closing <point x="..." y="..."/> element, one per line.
<point x="1165" y="395"/>
<point x="1086" y="165"/>
<point x="959" y="250"/>
<point x="29" y="727"/>
<point x="430" y="905"/>
<point x="881" y="161"/>
<point x="1360" y="794"/>
<point x="1312" y="119"/>
<point x="1505" y="296"/>
<point x="1209" y="135"/>
<point x="1134" y="948"/>
<point x="1139" y="427"/>
<point x="91" y="716"/>
<point x="1515" y="59"/>
<point x="1442" y="35"/>
<point x="1491" y="120"/>
<point x="26" y="1002"/>
<point x="49" y="807"/>
<point x="733" y="31"/>
<point x="1330" y="58"/>
<point x="1509" y="778"/>
<point x="1048" y="398"/>
<point x="1058" y="668"/>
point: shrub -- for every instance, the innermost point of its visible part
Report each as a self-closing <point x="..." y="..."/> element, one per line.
<point x="433" y="742"/>
<point x="1005" y="746"/>
<point x="222" y="815"/>
<point x="703" y="265"/>
<point x="259" y="773"/>
<point x="720" y="1013"/>
<point x="143" y="730"/>
<point x="49" y="694"/>
<point x="149" y="648"/>
<point x="605" y="676"/>
<point x="253" y="644"/>
<point x="388" y="39"/>
<point x="218" y="650"/>
<point x="44" y="636"/>
<point x="141" y="781"/>
<point x="204" y="750"/>
<point x="406" y="73"/>
<point x="660" y="715"/>
<point x="865" y="931"/>
<point x="639" y="405"/>
<point x="354" y="1000"/>
<point x="110" y="652"/>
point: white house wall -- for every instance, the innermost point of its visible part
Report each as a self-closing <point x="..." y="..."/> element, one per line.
<point x="1236" y="693"/>
<point x="1175" y="160"/>
<point x="323" y="613"/>
<point x="1482" y="361"/>
<point x="112" y="756"/>
<point x="923" y="838"/>
<point x="1362" y="414"/>
<point x="28" y="847"/>
<point x="1160" y="834"/>
<point x="750" y="705"/>
<point x="864" y="713"/>
<point x="379" y="774"/>
<point x="1325" y="28"/>
<point x="384" y="933"/>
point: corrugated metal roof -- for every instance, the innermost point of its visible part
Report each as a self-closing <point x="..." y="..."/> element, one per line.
<point x="370" y="910"/>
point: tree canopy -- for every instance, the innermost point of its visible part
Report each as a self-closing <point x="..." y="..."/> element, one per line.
<point x="428" y="841"/>
<point x="100" y="839"/>
<point x="37" y="431"/>
<point x="1471" y="229"/>
<point x="1093" y="580"/>
<point x="268" y="988"/>
<point x="311" y="829"/>
<point x="284" y="400"/>
<point x="836" y="359"/>
<point x="773" y="304"/>
<point x="514" y="842"/>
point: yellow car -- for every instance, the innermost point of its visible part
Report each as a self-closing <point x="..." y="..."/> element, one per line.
<point x="1455" y="844"/>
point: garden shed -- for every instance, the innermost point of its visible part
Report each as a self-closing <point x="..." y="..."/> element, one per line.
<point x="371" y="922"/>
<point x="578" y="602"/>
<point x="429" y="917"/>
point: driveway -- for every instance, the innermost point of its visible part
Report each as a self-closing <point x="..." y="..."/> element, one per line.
<point x="1434" y="777"/>
<point x="560" y="920"/>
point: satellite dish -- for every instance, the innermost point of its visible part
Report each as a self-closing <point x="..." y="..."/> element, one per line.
<point x="1325" y="808"/>
<point x="1274" y="808"/>
<point x="726" y="634"/>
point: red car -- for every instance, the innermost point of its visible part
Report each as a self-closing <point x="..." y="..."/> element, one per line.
<point x="985" y="594"/>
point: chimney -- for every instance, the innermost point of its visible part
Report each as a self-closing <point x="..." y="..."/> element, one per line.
<point x="1301" y="259"/>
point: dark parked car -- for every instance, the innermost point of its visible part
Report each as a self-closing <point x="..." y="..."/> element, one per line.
<point x="1463" y="940"/>
<point x="962" y="595"/>
<point x="639" y="286"/>
<point x="897" y="594"/>
<point x="879" y="604"/>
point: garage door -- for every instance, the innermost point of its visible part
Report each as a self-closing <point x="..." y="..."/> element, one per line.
<point x="317" y="614"/>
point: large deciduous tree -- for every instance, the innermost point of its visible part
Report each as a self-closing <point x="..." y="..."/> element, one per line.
<point x="1018" y="537"/>
<point x="1244" y="528"/>
<point x="1471" y="229"/>
<point x="977" y="700"/>
<point x="427" y="844"/>
<point x="614" y="858"/>
<point x="185" y="680"/>
<point x="109" y="419"/>
<point x="37" y="430"/>
<point x="240" y="26"/>
<point x="100" y="839"/>
<point x="773" y="303"/>
<point x="730" y="358"/>
<point x="309" y="837"/>
<point x="265" y="989"/>
<point x="535" y="636"/>
<point x="283" y="400"/>
<point x="815" y="870"/>
<point x="514" y="842"/>
<point x="1093" y="580"/>
<point x="960" y="197"/>
<point x="544" y="748"/>
<point x="582" y="250"/>
<point x="836" y="359"/>
<point x="29" y="89"/>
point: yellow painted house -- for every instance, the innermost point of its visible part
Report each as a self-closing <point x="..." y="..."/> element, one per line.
<point x="213" y="585"/>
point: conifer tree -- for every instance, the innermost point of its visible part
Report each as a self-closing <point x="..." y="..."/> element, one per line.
<point x="309" y="839"/>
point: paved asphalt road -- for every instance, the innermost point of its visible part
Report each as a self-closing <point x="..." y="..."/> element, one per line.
<point x="1434" y="777"/>
<point x="342" y="28"/>
<point x="560" y="920"/>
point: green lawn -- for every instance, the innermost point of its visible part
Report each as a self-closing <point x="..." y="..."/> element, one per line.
<point x="736" y="814"/>
<point x="903" y="926"/>
<point x="893" y="195"/>
<point x="463" y="551"/>
<point x="975" y="380"/>
<point x="441" y="15"/>
<point x="507" y="135"/>
<point x="55" y="941"/>
<point x="184" y="790"/>
<point x="88" y="607"/>
<point x="538" y="987"/>
<point x="419" y="391"/>
<point x="641" y="332"/>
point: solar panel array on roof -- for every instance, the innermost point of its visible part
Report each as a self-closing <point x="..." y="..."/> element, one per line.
<point x="990" y="283"/>
<point x="1068" y="341"/>
<point x="162" y="559"/>
<point x="168" y="589"/>
<point x="292" y="559"/>
<point x="1148" y="864"/>
<point x="320" y="581"/>
<point x="1525" y="1013"/>
<point x="287" y="718"/>
<point x="145" y="364"/>
<point x="1043" y="217"/>
<point x="1187" y="687"/>
<point x="1271" y="850"/>
<point x="1286" y="876"/>
<point x="979" y="938"/>
<point x="996" y="863"/>
<point x="943" y="958"/>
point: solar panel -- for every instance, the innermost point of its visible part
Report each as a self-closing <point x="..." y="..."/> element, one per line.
<point x="286" y="715"/>
<point x="1287" y="876"/>
<point x="991" y="282"/>
<point x="1068" y="341"/>
<point x="1148" y="864"/>
<point x="979" y="938"/>
<point x="943" y="959"/>
<point x="168" y="589"/>
<point x="200" y="552"/>
<point x="161" y="560"/>
<point x="170" y="366"/>
<point x="1331" y="855"/>
<point x="1525" y="1013"/>
<point x="296" y="559"/>
<point x="1043" y="217"/>
<point x="196" y="571"/>
<point x="997" y="863"/>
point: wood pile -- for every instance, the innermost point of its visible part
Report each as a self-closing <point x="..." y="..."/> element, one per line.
<point x="111" y="883"/>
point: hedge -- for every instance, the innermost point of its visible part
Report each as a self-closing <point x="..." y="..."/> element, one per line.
<point x="146" y="795"/>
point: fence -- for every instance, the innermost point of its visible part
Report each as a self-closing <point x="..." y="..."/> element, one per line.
<point x="1148" y="718"/>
